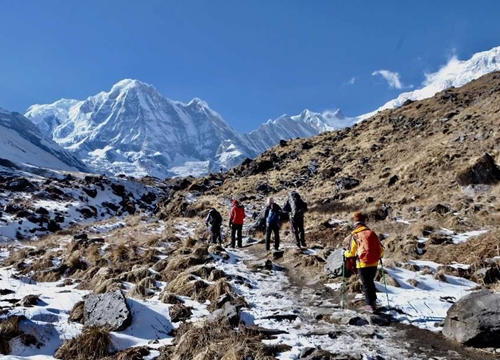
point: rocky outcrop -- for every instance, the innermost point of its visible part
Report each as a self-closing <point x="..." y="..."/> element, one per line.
<point x="484" y="171"/>
<point x="109" y="310"/>
<point x="475" y="320"/>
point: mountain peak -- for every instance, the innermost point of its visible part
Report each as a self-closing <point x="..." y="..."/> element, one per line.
<point x="129" y="84"/>
<point x="198" y="102"/>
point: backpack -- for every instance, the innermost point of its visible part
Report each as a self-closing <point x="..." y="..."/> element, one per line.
<point x="297" y="206"/>
<point x="369" y="247"/>
<point x="273" y="218"/>
<point x="215" y="218"/>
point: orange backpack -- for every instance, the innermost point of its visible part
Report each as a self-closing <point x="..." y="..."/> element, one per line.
<point x="369" y="247"/>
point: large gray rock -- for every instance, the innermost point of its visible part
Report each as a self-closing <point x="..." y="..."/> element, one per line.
<point x="474" y="320"/>
<point x="334" y="263"/>
<point x="109" y="310"/>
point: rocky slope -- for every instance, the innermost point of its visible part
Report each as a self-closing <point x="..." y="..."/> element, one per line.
<point x="421" y="173"/>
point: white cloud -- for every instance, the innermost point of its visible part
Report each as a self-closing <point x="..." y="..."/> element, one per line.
<point x="392" y="78"/>
<point x="352" y="81"/>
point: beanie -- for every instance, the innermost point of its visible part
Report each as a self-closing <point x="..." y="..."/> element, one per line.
<point x="359" y="217"/>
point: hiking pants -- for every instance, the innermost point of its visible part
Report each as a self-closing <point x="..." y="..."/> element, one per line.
<point x="236" y="231"/>
<point x="298" y="230"/>
<point x="276" y="230"/>
<point x="215" y="234"/>
<point x="367" y="276"/>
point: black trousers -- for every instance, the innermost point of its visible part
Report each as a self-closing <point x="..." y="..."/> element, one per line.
<point x="236" y="232"/>
<point x="367" y="276"/>
<point x="276" y="230"/>
<point x="215" y="234"/>
<point x="298" y="230"/>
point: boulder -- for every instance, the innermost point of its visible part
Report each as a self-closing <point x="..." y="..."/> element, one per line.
<point x="334" y="263"/>
<point x="474" y="320"/>
<point x="229" y="312"/>
<point x="346" y="183"/>
<point x="484" y="171"/>
<point x="109" y="310"/>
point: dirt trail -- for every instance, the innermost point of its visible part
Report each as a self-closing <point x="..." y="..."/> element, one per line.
<point x="312" y="300"/>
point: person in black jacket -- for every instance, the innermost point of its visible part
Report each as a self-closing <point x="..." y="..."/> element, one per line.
<point x="214" y="222"/>
<point x="296" y="207"/>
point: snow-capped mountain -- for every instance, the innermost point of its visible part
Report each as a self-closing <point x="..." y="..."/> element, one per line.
<point x="133" y="129"/>
<point x="24" y="146"/>
<point x="306" y="124"/>
<point x="455" y="73"/>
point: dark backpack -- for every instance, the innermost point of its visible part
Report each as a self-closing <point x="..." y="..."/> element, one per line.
<point x="215" y="218"/>
<point x="273" y="218"/>
<point x="297" y="205"/>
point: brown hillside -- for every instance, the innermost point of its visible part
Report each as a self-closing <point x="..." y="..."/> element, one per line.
<point x="408" y="158"/>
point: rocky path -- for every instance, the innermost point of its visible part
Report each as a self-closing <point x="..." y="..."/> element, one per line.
<point x="307" y="311"/>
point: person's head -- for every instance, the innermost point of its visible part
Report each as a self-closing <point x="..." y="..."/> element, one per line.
<point x="270" y="201"/>
<point x="293" y="193"/>
<point x="235" y="202"/>
<point x="359" y="217"/>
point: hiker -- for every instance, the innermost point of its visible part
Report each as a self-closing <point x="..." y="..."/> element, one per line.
<point x="296" y="207"/>
<point x="272" y="216"/>
<point x="365" y="246"/>
<point x="214" y="222"/>
<point x="236" y="222"/>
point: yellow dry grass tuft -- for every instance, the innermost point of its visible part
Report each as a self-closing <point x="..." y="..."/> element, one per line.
<point x="91" y="344"/>
<point x="9" y="329"/>
<point x="214" y="340"/>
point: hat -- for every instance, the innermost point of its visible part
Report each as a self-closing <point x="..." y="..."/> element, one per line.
<point x="359" y="217"/>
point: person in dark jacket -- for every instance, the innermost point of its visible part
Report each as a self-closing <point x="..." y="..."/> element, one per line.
<point x="272" y="216"/>
<point x="214" y="222"/>
<point x="236" y="219"/>
<point x="296" y="207"/>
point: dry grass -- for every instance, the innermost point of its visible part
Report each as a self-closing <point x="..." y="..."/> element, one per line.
<point x="215" y="340"/>
<point x="76" y="314"/>
<point x="472" y="251"/>
<point x="440" y="275"/>
<point x="91" y="344"/>
<point x="187" y="284"/>
<point x="179" y="312"/>
<point x="138" y="292"/>
<point x="9" y="329"/>
<point x="169" y="298"/>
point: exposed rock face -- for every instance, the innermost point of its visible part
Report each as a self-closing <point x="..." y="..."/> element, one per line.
<point x="109" y="310"/>
<point x="475" y="320"/>
<point x="484" y="171"/>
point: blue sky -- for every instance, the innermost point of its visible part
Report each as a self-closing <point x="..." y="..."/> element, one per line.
<point x="250" y="60"/>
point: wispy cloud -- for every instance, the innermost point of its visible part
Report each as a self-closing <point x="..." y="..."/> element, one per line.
<point x="352" y="81"/>
<point x="392" y="78"/>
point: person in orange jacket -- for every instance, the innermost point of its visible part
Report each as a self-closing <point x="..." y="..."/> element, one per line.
<point x="365" y="246"/>
<point x="236" y="219"/>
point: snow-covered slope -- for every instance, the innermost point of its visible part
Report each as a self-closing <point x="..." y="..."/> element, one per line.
<point x="24" y="145"/>
<point x="456" y="73"/>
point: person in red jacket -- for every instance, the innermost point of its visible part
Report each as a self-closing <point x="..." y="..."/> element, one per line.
<point x="236" y="220"/>
<point x="365" y="247"/>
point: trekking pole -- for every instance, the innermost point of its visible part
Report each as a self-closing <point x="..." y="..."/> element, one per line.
<point x="342" y="302"/>
<point x="385" y="283"/>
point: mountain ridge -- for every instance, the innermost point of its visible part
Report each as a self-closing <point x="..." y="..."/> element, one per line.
<point x="100" y="128"/>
